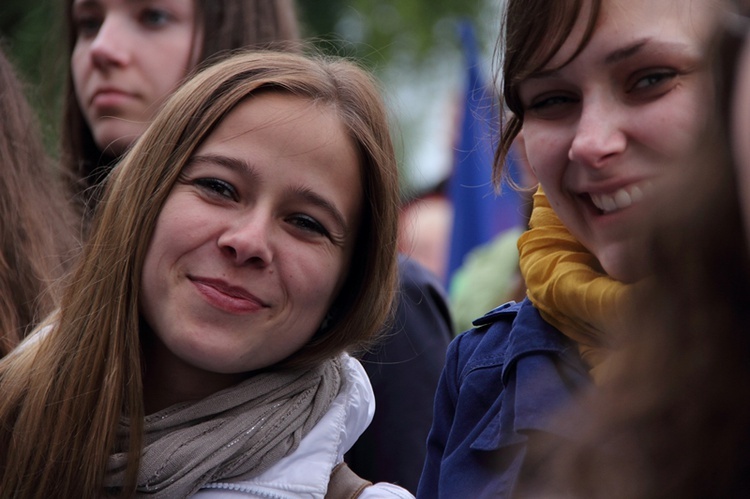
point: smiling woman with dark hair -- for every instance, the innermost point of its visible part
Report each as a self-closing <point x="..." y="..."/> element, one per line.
<point x="609" y="102"/>
<point x="671" y="420"/>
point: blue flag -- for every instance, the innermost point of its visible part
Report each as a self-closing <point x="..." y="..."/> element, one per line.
<point x="479" y="213"/>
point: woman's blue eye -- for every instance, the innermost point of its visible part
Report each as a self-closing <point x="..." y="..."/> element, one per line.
<point x="550" y="101"/>
<point x="87" y="26"/>
<point x="551" y="107"/>
<point x="217" y="186"/>
<point x="155" y="17"/>
<point x="309" y="224"/>
<point x="653" y="79"/>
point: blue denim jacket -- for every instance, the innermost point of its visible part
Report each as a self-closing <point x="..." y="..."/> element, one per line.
<point x="502" y="380"/>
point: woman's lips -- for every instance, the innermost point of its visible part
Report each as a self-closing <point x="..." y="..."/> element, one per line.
<point x="226" y="297"/>
<point x="110" y="97"/>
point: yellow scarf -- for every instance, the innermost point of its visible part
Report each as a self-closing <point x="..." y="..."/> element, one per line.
<point x="569" y="288"/>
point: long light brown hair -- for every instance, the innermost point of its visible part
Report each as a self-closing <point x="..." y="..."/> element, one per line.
<point x="228" y="25"/>
<point x="67" y="394"/>
<point x="37" y="237"/>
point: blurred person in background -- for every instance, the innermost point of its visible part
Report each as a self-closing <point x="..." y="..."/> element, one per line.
<point x="39" y="231"/>
<point x="127" y="57"/>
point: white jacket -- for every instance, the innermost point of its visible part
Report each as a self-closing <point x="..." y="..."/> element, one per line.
<point x="305" y="472"/>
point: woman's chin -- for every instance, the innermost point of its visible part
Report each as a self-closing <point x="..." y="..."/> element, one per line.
<point x="113" y="140"/>
<point x="626" y="265"/>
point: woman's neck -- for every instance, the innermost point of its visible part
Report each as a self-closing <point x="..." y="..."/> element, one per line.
<point x="167" y="380"/>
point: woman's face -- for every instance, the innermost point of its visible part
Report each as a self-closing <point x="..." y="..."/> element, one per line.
<point x="255" y="239"/>
<point x="741" y="129"/>
<point x="607" y="133"/>
<point x="128" y="57"/>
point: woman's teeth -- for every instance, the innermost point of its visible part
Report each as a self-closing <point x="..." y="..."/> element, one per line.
<point x="618" y="200"/>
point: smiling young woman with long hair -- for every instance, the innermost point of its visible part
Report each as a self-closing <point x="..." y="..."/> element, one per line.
<point x="243" y="245"/>
<point x="125" y="59"/>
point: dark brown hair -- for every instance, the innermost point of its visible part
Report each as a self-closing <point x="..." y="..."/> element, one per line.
<point x="533" y="31"/>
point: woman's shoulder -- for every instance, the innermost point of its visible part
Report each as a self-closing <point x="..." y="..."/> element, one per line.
<point x="506" y="379"/>
<point x="486" y="359"/>
<point x="35" y="339"/>
<point x="502" y="334"/>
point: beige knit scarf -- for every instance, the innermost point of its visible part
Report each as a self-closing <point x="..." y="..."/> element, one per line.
<point x="238" y="432"/>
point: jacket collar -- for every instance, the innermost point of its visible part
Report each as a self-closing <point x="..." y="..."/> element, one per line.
<point x="541" y="373"/>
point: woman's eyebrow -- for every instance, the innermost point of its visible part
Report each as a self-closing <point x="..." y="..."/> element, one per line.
<point x="315" y="199"/>
<point x="648" y="45"/>
<point x="84" y="4"/>
<point x="238" y="165"/>
<point x="623" y="53"/>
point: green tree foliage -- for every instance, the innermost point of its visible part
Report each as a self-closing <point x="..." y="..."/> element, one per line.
<point x="381" y="31"/>
<point x="30" y="36"/>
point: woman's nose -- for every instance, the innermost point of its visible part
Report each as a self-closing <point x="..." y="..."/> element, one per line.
<point x="599" y="135"/>
<point x="248" y="240"/>
<point x="113" y="44"/>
